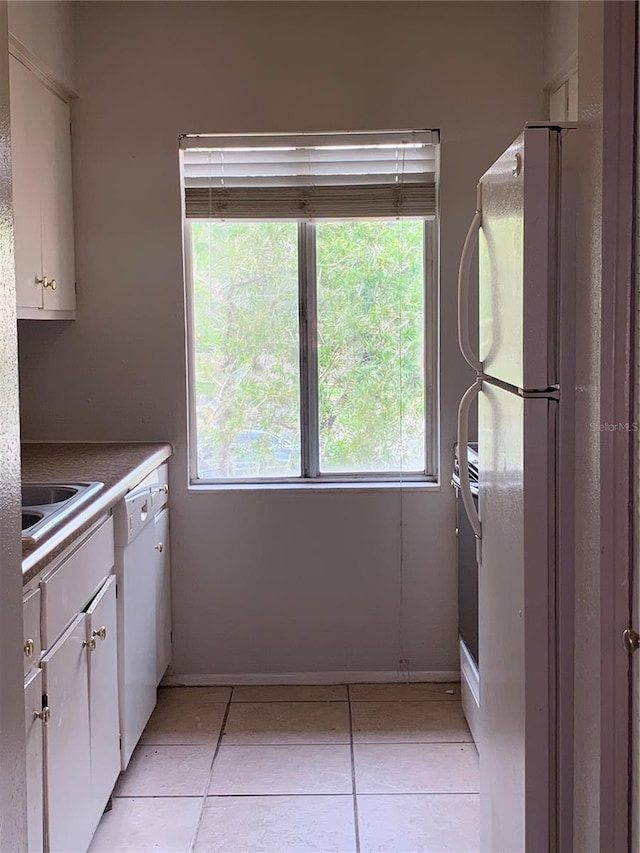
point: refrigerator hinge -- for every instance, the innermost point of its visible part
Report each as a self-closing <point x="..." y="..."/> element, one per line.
<point x="630" y="640"/>
<point x="546" y="393"/>
<point x="479" y="197"/>
<point x="478" y="550"/>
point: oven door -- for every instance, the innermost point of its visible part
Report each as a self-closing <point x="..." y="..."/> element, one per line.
<point x="467" y="576"/>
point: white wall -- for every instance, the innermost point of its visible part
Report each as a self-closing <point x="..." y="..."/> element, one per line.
<point x="560" y="38"/>
<point x="47" y="29"/>
<point x="270" y="582"/>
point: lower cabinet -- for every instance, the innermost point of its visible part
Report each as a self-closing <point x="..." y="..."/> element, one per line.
<point x="67" y="742"/>
<point x="81" y="743"/>
<point x="34" y="725"/>
<point x="104" y="727"/>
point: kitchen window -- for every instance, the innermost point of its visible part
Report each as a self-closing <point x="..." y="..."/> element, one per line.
<point x="311" y="307"/>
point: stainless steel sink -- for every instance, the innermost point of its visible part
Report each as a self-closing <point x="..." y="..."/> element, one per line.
<point x="29" y="519"/>
<point x="35" y="494"/>
<point x="45" y="505"/>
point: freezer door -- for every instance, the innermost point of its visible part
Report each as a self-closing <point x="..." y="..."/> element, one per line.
<point x="516" y="604"/>
<point x="517" y="252"/>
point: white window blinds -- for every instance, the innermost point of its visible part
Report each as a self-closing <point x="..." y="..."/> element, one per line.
<point x="310" y="176"/>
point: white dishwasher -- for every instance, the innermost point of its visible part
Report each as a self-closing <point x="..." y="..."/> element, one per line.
<point x="143" y="605"/>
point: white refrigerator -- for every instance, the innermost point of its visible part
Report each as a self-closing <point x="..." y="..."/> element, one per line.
<point x="525" y="223"/>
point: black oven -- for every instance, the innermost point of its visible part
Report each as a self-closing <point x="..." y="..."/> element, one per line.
<point x="467" y="563"/>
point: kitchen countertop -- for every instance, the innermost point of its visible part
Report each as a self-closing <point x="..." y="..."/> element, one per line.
<point x="119" y="465"/>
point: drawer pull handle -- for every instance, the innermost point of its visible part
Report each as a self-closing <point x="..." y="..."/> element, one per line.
<point x="44" y="715"/>
<point x="29" y="648"/>
<point x="160" y="547"/>
<point x="89" y="644"/>
<point x="101" y="633"/>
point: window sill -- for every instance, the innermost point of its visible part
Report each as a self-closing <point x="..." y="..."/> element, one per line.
<point x="319" y="486"/>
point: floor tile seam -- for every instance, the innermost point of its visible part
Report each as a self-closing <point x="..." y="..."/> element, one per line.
<point x="339" y="794"/>
<point x="199" y="746"/>
<point x="358" y="742"/>
<point x="406" y="701"/>
<point x="422" y="794"/>
<point x="430" y="793"/>
<point x="300" y="794"/>
<point x="351" y="794"/>
<point x="157" y="796"/>
<point x="283" y="745"/>
<point x="356" y="821"/>
<point x="201" y="708"/>
<point x="210" y="774"/>
<point x="287" y="743"/>
<point x="307" y="794"/>
<point x="237" y="702"/>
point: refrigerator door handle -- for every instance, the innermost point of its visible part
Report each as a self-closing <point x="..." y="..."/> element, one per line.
<point x="463" y="463"/>
<point x="463" y="286"/>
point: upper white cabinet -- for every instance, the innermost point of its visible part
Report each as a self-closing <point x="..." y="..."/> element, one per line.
<point x="42" y="197"/>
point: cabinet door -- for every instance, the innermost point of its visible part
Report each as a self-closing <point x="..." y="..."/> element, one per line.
<point x="28" y="133"/>
<point x="104" y="725"/>
<point x="67" y="742"/>
<point x="57" y="204"/>
<point x="34" y="743"/>
<point x="163" y="594"/>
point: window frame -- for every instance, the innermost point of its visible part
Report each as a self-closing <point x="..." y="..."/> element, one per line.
<point x="307" y="336"/>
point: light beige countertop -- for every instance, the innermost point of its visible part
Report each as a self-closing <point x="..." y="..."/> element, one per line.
<point x="119" y="465"/>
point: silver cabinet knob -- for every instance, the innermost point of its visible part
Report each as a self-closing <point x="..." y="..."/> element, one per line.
<point x="44" y="715"/>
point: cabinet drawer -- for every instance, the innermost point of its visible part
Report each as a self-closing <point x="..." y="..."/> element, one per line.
<point x="31" y="629"/>
<point x="70" y="586"/>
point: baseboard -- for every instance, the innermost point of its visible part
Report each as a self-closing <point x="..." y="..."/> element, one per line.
<point x="470" y="689"/>
<point x="239" y="678"/>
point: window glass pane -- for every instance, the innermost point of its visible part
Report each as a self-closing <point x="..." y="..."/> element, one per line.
<point x="247" y="383"/>
<point x="370" y="346"/>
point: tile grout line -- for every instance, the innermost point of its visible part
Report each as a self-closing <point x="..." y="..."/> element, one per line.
<point x="353" y="774"/>
<point x="210" y="774"/>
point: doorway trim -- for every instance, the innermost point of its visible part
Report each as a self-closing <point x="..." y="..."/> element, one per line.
<point x="616" y="415"/>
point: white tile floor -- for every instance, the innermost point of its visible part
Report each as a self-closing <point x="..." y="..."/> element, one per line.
<point x="384" y="768"/>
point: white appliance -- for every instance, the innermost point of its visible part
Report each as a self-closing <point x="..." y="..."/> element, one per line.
<point x="144" y="630"/>
<point x="524" y="525"/>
